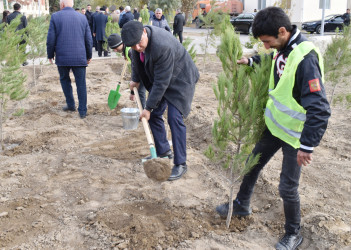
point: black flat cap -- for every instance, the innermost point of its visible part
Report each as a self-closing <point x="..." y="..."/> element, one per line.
<point x="131" y="33"/>
<point x="114" y="40"/>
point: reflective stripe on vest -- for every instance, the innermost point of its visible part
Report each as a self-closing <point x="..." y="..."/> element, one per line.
<point x="285" y="117"/>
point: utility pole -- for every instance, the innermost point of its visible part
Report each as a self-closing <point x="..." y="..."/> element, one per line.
<point x="323" y="15"/>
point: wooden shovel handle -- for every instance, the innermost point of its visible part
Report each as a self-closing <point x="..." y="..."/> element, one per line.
<point x="124" y="69"/>
<point x="144" y="121"/>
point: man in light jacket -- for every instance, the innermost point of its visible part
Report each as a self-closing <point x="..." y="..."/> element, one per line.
<point x="159" y="20"/>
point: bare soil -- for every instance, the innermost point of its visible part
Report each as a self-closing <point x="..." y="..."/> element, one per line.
<point x="71" y="183"/>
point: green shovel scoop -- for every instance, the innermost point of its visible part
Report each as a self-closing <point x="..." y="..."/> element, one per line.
<point x="114" y="95"/>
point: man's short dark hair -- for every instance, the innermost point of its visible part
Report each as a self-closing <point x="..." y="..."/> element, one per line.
<point x="269" y="20"/>
<point x="16" y="6"/>
<point x="89" y="5"/>
<point x="121" y="8"/>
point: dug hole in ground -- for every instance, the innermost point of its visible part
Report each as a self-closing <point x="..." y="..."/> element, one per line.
<point x="71" y="183"/>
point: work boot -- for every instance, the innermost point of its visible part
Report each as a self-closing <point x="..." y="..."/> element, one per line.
<point x="238" y="209"/>
<point x="178" y="171"/>
<point x="168" y="154"/>
<point x="289" y="242"/>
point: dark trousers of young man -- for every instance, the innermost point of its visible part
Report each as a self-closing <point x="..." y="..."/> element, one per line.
<point x="289" y="178"/>
<point x="79" y="73"/>
<point x="178" y="130"/>
<point x="100" y="48"/>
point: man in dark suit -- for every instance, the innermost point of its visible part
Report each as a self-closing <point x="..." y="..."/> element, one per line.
<point x="22" y="25"/>
<point x="179" y="22"/>
<point x="69" y="40"/>
<point x="169" y="74"/>
<point x="97" y="11"/>
<point x="99" y="25"/>
<point x="127" y="16"/>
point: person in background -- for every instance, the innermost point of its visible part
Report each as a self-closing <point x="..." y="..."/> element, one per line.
<point x="89" y="16"/>
<point x="346" y="17"/>
<point x="99" y="26"/>
<point x="159" y="20"/>
<point x="178" y="23"/>
<point x="115" y="16"/>
<point x="170" y="75"/>
<point x="296" y="116"/>
<point x="97" y="11"/>
<point x="69" y="43"/>
<point x="83" y="11"/>
<point x="127" y="16"/>
<point x="5" y="14"/>
<point x="151" y="13"/>
<point x="22" y="25"/>
<point x="136" y="14"/>
<point x="116" y="44"/>
<point x="77" y="9"/>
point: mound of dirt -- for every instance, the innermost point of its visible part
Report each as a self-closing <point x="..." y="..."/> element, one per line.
<point x="158" y="169"/>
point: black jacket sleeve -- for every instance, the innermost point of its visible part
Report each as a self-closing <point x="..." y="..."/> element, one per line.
<point x="309" y="91"/>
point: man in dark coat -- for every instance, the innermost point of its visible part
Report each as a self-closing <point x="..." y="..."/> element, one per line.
<point x="89" y="14"/>
<point x="99" y="26"/>
<point x="69" y="40"/>
<point x="97" y="11"/>
<point x="179" y="22"/>
<point x="169" y="74"/>
<point x="127" y="16"/>
<point x="22" y="25"/>
<point x="136" y="14"/>
<point x="346" y="17"/>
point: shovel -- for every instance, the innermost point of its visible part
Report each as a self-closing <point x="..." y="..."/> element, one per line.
<point x="157" y="169"/>
<point x="114" y="95"/>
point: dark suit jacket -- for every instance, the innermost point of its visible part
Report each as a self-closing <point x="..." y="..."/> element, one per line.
<point x="168" y="71"/>
<point x="128" y="16"/>
<point x="69" y="38"/>
<point x="13" y="15"/>
<point x="99" y="25"/>
<point x="179" y="22"/>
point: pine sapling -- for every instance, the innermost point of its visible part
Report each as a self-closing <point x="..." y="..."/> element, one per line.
<point x="144" y="15"/>
<point x="242" y="93"/>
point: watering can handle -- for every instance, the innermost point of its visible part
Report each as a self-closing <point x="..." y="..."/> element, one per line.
<point x="145" y="125"/>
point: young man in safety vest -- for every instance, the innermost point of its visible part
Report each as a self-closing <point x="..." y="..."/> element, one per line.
<point x="296" y="116"/>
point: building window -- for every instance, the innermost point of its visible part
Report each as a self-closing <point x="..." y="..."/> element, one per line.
<point x="261" y="4"/>
<point x="327" y="4"/>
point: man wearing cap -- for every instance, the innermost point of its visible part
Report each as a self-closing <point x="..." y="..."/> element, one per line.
<point x="115" y="43"/>
<point x="99" y="26"/>
<point x="169" y="74"/>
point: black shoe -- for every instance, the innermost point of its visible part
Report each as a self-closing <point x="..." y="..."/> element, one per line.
<point x="82" y="116"/>
<point x="66" y="108"/>
<point x="177" y="172"/>
<point x="168" y="154"/>
<point x="25" y="63"/>
<point x="289" y="242"/>
<point x="238" y="209"/>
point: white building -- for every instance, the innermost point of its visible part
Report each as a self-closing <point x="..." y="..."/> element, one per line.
<point x="301" y="10"/>
<point x="28" y="7"/>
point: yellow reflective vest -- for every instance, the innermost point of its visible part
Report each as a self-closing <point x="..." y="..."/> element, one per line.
<point x="284" y="116"/>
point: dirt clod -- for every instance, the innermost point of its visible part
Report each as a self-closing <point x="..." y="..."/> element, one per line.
<point x="158" y="169"/>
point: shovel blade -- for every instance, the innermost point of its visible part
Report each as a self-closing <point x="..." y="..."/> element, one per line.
<point x="113" y="99"/>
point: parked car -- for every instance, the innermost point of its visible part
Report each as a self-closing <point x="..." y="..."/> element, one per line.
<point x="243" y="22"/>
<point x="331" y="23"/>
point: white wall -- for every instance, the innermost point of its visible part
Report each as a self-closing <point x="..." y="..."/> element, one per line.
<point x="304" y="10"/>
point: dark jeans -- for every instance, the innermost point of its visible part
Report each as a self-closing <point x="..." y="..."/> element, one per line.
<point x="79" y="76"/>
<point x="178" y="130"/>
<point x="289" y="178"/>
<point x="180" y="34"/>
<point x="99" y="47"/>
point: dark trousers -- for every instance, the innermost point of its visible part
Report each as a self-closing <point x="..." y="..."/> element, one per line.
<point x="289" y="178"/>
<point x="180" y="34"/>
<point x="79" y="76"/>
<point x="178" y="130"/>
<point x="99" y="47"/>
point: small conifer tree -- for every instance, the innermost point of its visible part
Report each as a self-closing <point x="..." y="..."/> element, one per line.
<point x="190" y="48"/>
<point x="145" y="15"/>
<point x="242" y="93"/>
<point x="11" y="76"/>
<point x="111" y="27"/>
<point x="337" y="57"/>
<point x="37" y="30"/>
